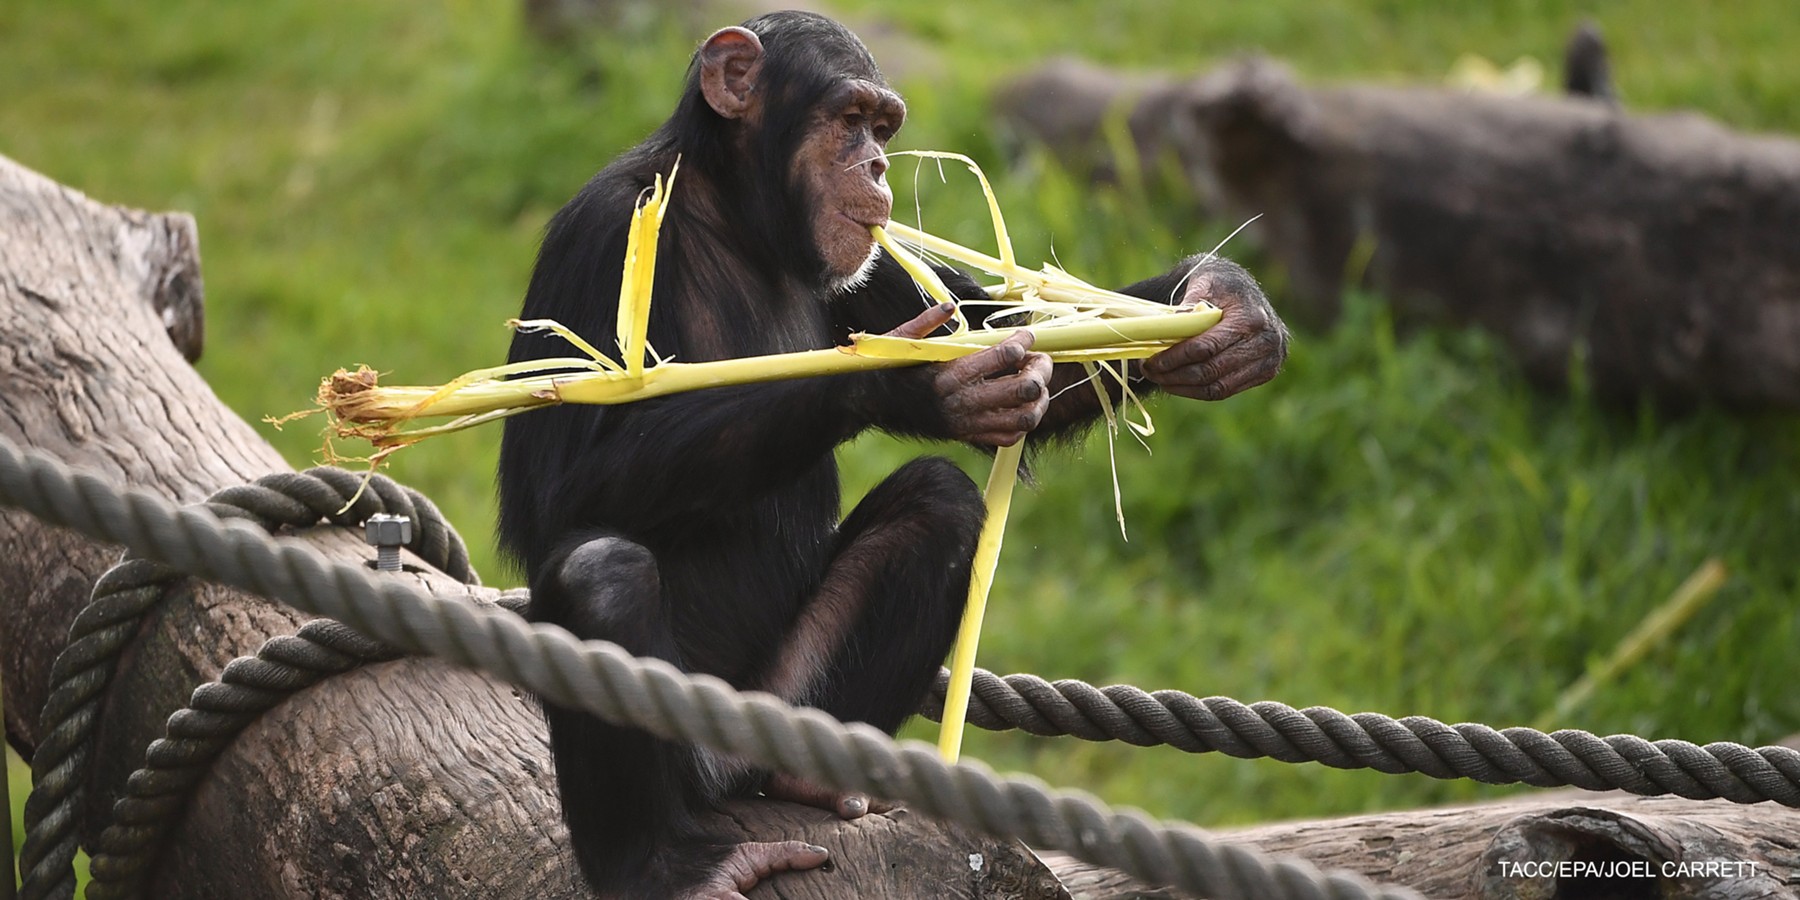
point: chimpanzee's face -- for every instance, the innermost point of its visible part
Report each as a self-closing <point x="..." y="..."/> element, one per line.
<point x="841" y="166"/>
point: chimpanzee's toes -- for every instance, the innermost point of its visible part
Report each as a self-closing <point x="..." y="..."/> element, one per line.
<point x="845" y="804"/>
<point x="750" y="863"/>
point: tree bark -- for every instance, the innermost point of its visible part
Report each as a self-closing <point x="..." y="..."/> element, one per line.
<point x="402" y="779"/>
<point x="1658" y="250"/>
<point x="1656" y="848"/>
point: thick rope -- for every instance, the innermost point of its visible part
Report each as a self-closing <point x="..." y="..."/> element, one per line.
<point x="604" y="680"/>
<point x="1566" y="758"/>
<point x="124" y="853"/>
<point x="249" y="686"/>
<point x="129" y="591"/>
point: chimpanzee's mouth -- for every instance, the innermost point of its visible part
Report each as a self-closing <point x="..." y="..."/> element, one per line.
<point x="865" y="223"/>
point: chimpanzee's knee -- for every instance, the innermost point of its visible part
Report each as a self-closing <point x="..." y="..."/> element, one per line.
<point x="907" y="552"/>
<point x="606" y="563"/>
<point x="932" y="490"/>
<point x="604" y="587"/>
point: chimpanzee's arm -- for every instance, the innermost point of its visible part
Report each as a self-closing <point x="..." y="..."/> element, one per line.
<point x="902" y="401"/>
<point x="1076" y="406"/>
<point x="1197" y="368"/>
<point x="1245" y="348"/>
<point x="720" y="446"/>
<point x="741" y="441"/>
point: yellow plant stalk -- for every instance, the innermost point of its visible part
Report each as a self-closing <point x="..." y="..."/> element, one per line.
<point x="1052" y="299"/>
<point x="1050" y="285"/>
<point x="1072" y="321"/>
<point x="922" y="275"/>
<point x="378" y="413"/>
<point x="1002" y="239"/>
<point x="640" y="272"/>
<point x="998" y="496"/>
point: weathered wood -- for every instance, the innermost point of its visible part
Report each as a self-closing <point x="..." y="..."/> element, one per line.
<point x="1086" y="881"/>
<point x="405" y="779"/>
<point x="1681" y="848"/>
<point x="87" y="296"/>
<point x="1662" y="250"/>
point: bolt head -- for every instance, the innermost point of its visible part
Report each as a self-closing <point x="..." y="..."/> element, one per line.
<point x="383" y="530"/>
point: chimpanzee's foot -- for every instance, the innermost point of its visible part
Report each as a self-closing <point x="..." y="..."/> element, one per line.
<point x="846" y="804"/>
<point x="750" y="863"/>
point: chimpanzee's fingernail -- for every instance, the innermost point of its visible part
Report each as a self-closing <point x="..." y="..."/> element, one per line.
<point x="817" y="849"/>
<point x="855" y="805"/>
<point x="946" y="306"/>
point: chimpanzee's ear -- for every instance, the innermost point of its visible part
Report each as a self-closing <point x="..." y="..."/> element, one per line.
<point x="729" y="63"/>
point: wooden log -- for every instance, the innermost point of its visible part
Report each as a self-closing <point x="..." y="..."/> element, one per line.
<point x="1658" y="250"/>
<point x="403" y="779"/>
<point x="1562" y="845"/>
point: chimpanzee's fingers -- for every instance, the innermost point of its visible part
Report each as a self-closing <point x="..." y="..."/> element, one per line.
<point x="999" y="391"/>
<point x="1018" y="389"/>
<point x="1180" y="368"/>
<point x="1224" y="283"/>
<point x="1239" y="368"/>
<point x="926" y="322"/>
<point x="1000" y="420"/>
<point x="1003" y="358"/>
<point x="1194" y="351"/>
<point x="1246" y="316"/>
<point x="1039" y="366"/>
<point x="1232" y="384"/>
<point x="997" y="395"/>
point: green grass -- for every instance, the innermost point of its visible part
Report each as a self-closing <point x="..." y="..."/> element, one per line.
<point x="1395" y="524"/>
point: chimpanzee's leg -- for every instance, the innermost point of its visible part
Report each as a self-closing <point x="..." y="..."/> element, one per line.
<point x="628" y="797"/>
<point x="872" y="638"/>
<point x="904" y="556"/>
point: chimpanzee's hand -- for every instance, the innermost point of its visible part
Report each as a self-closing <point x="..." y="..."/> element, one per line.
<point x="1244" y="350"/>
<point x="992" y="398"/>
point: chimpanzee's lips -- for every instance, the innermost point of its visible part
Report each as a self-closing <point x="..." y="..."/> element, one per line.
<point x="866" y="222"/>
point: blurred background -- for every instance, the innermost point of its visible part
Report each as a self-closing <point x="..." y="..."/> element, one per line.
<point x="1401" y="522"/>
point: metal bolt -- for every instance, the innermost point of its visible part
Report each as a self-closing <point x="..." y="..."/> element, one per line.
<point x="387" y="534"/>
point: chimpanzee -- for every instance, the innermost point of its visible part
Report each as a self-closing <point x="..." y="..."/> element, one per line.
<point x="702" y="528"/>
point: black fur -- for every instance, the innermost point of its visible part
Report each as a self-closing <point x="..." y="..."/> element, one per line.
<point x="698" y="527"/>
